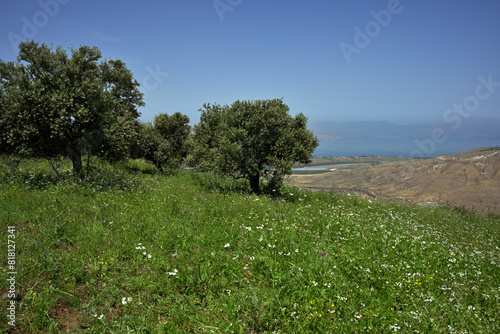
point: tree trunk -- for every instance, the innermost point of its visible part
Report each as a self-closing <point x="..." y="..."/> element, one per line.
<point x="159" y="166"/>
<point x="254" y="183"/>
<point x="76" y="159"/>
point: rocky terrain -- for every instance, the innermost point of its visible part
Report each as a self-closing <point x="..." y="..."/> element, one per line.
<point x="470" y="179"/>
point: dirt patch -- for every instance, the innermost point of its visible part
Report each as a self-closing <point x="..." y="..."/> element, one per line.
<point x="67" y="316"/>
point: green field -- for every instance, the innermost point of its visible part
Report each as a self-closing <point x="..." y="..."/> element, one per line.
<point x="133" y="251"/>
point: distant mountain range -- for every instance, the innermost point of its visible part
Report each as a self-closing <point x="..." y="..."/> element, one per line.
<point x="468" y="129"/>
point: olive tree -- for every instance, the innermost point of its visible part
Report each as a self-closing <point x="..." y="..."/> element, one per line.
<point x="52" y="104"/>
<point x="163" y="141"/>
<point x="250" y="139"/>
<point x="175" y="129"/>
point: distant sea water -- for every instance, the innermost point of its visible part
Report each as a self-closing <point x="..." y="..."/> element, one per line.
<point x="404" y="147"/>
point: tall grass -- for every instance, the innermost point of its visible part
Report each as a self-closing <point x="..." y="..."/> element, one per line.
<point x="134" y="250"/>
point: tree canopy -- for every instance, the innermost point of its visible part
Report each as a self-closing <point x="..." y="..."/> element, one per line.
<point x="250" y="139"/>
<point x="53" y="104"/>
<point x="163" y="141"/>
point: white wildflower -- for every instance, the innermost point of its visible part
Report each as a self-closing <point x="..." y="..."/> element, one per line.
<point x="126" y="300"/>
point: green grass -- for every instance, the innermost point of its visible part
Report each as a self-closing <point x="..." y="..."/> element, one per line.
<point x="131" y="250"/>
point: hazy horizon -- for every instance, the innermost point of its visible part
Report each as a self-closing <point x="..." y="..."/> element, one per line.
<point x="406" y="62"/>
<point x="429" y="122"/>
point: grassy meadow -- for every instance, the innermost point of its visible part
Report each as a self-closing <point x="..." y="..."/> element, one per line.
<point x="134" y="251"/>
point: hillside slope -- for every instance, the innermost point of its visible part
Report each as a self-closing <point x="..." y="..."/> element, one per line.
<point x="132" y="250"/>
<point x="469" y="179"/>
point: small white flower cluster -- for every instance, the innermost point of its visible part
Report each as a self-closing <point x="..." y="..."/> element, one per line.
<point x="140" y="246"/>
<point x="126" y="300"/>
<point x="431" y="299"/>
<point x="395" y="327"/>
<point x="173" y="273"/>
<point x="99" y="317"/>
<point x="285" y="254"/>
<point x="227" y="245"/>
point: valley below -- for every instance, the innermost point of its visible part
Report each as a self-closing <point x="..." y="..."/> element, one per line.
<point x="470" y="179"/>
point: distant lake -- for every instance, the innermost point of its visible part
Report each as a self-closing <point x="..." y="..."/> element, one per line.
<point x="317" y="169"/>
<point x="398" y="147"/>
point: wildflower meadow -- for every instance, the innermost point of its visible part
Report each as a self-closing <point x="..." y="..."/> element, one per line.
<point x="131" y="250"/>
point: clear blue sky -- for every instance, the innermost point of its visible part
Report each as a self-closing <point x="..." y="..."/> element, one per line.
<point x="417" y="63"/>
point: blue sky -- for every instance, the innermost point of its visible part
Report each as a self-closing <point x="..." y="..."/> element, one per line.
<point x="413" y="59"/>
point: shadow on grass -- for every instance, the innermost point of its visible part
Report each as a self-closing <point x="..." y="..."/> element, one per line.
<point x="220" y="184"/>
<point x="228" y="185"/>
<point x="42" y="173"/>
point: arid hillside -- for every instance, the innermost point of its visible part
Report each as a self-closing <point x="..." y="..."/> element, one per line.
<point x="470" y="179"/>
